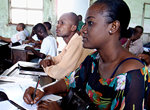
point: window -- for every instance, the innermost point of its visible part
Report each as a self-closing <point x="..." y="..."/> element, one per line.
<point x="146" y="18"/>
<point x="26" y="11"/>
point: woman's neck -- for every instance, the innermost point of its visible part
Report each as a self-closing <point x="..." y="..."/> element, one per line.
<point x="110" y="53"/>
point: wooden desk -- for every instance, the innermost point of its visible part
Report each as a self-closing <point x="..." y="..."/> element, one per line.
<point x="14" y="72"/>
<point x="18" y="53"/>
<point x="5" y="50"/>
<point x="3" y="43"/>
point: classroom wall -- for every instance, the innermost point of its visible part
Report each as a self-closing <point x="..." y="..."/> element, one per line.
<point x="136" y="7"/>
<point x="7" y="30"/>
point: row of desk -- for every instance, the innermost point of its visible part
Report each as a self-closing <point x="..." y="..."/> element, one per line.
<point x="18" y="53"/>
<point x="14" y="85"/>
<point x="15" y="72"/>
<point x="12" y="76"/>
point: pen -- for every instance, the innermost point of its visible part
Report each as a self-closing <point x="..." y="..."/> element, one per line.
<point x="34" y="94"/>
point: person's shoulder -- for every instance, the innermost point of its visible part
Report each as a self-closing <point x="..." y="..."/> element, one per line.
<point x="132" y="64"/>
<point x="76" y="39"/>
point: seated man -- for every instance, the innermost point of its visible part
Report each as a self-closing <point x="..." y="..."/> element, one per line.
<point x="18" y="37"/>
<point x="72" y="55"/>
<point x="48" y="46"/>
<point x="48" y="27"/>
<point x="135" y="44"/>
<point x="33" y="37"/>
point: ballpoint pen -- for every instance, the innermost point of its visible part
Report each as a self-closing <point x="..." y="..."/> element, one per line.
<point x="34" y="94"/>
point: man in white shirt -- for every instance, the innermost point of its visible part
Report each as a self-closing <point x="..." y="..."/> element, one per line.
<point x="48" y="46"/>
<point x="135" y="44"/>
<point x="18" y="37"/>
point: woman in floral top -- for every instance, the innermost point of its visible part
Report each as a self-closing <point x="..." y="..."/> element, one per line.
<point x="112" y="77"/>
<point x="125" y="90"/>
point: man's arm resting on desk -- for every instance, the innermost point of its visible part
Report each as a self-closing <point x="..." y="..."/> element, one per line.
<point x="5" y="39"/>
<point x="40" y="55"/>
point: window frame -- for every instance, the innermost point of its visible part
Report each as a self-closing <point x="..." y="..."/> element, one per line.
<point x="143" y="16"/>
<point x="32" y="9"/>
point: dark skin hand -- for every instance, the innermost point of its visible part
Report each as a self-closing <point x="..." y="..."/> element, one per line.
<point x="47" y="62"/>
<point x="29" y="48"/>
<point x="29" y="93"/>
<point x="48" y="105"/>
<point x="56" y="88"/>
<point x="145" y="57"/>
<point x="40" y="55"/>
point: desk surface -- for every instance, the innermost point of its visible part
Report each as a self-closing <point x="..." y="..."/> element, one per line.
<point x="14" y="72"/>
<point x="3" y="43"/>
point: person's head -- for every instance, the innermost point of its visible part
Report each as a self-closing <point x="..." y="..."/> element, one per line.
<point x="106" y="21"/>
<point x="138" y="31"/>
<point x="47" y="25"/>
<point x="80" y="17"/>
<point x="67" y="25"/>
<point x="40" y="31"/>
<point x="130" y="32"/>
<point x="20" y="27"/>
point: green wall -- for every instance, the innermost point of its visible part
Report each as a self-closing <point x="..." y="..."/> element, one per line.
<point x="7" y="30"/>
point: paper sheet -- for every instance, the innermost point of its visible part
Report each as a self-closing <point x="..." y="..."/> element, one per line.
<point x="14" y="79"/>
<point x="15" y="92"/>
<point x="6" y="105"/>
<point x="21" y="47"/>
<point x="34" y="73"/>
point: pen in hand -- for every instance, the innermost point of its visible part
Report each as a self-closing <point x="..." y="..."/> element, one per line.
<point x="34" y="94"/>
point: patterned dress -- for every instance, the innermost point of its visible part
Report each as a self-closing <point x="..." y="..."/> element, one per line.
<point x="112" y="93"/>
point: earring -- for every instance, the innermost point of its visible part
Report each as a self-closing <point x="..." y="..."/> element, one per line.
<point x="110" y="32"/>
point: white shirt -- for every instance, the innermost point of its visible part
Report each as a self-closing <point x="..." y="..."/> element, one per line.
<point x="18" y="37"/>
<point x="49" y="46"/>
<point x="136" y="47"/>
<point x="26" y="32"/>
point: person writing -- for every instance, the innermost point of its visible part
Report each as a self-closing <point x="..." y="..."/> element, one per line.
<point x="112" y="77"/>
<point x="72" y="55"/>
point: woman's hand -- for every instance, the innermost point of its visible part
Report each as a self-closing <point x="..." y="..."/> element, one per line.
<point x="29" y="93"/>
<point x="48" y="105"/>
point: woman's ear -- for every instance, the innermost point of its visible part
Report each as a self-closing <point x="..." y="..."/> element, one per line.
<point x="73" y="28"/>
<point x="114" y="27"/>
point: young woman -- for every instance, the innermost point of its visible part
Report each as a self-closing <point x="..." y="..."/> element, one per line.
<point x="112" y="77"/>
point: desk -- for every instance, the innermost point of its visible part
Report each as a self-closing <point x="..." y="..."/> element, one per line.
<point x="14" y="71"/>
<point x="18" y="53"/>
<point x="4" y="50"/>
<point x="3" y="43"/>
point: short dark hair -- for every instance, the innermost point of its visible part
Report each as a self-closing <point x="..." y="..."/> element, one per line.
<point x="140" y="28"/>
<point x="48" y="25"/>
<point x="74" y="18"/>
<point x="22" y="25"/>
<point x="40" y="27"/>
<point x="129" y="32"/>
<point x="116" y="10"/>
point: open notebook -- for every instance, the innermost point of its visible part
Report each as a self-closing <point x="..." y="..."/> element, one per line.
<point x="15" y="92"/>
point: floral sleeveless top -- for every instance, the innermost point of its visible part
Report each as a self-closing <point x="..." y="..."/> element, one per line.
<point x="124" y="91"/>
